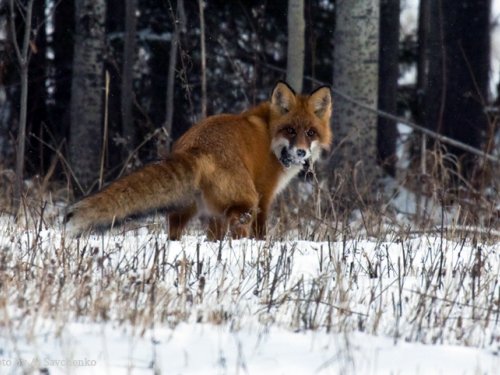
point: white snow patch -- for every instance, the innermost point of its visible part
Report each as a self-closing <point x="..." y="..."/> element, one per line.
<point x="206" y="349"/>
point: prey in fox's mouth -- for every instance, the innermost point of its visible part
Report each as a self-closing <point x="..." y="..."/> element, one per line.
<point x="296" y="143"/>
<point x="288" y="157"/>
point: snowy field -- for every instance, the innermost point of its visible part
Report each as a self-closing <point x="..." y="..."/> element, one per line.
<point x="140" y="304"/>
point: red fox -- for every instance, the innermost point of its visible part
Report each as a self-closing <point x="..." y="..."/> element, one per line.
<point x="226" y="167"/>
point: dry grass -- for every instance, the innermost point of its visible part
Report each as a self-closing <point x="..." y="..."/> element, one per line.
<point x="425" y="289"/>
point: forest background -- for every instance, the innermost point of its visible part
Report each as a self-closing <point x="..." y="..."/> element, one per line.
<point x="92" y="89"/>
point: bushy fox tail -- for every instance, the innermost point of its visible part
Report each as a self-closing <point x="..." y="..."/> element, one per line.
<point x="168" y="183"/>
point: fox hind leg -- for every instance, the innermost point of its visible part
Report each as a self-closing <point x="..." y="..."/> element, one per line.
<point x="177" y="221"/>
<point x="233" y="201"/>
<point x="217" y="228"/>
<point x="259" y="225"/>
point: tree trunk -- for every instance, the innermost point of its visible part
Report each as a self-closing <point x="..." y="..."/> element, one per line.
<point x="457" y="80"/>
<point x="21" y="136"/>
<point x="201" y="4"/>
<point x="355" y="74"/>
<point x="38" y="133"/>
<point x="388" y="83"/>
<point x="87" y="91"/>
<point x="5" y="102"/>
<point x="179" y="24"/>
<point x="424" y="14"/>
<point x="431" y="64"/>
<point x="127" y="93"/>
<point x="23" y="54"/>
<point x="62" y="65"/>
<point x="296" y="40"/>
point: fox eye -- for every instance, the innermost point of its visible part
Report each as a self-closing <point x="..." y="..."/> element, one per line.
<point x="290" y="130"/>
<point x="311" y="133"/>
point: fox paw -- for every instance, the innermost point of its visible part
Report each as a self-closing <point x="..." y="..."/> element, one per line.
<point x="240" y="225"/>
<point x="245" y="218"/>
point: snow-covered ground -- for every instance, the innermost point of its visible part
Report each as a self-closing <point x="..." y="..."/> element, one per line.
<point x="137" y="303"/>
<point x="208" y="349"/>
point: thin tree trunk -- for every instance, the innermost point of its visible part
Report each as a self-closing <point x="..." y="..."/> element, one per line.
<point x="457" y="78"/>
<point x="422" y="59"/>
<point x="21" y="136"/>
<point x="388" y="88"/>
<point x="87" y="91"/>
<point x="296" y="44"/>
<point x="23" y="60"/>
<point x="5" y="101"/>
<point x="128" y="73"/>
<point x="432" y="66"/>
<point x="355" y="73"/>
<point x="178" y="21"/>
<point x="62" y="66"/>
<point x="203" y="60"/>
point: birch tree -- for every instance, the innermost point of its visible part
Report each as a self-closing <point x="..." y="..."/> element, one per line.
<point x="87" y="90"/>
<point x="355" y="74"/>
<point x="296" y="40"/>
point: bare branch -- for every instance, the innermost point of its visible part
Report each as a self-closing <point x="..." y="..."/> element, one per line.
<point x="13" y="31"/>
<point x="27" y="31"/>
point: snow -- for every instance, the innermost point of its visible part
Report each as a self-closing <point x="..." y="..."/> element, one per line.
<point x="206" y="349"/>
<point x="259" y="311"/>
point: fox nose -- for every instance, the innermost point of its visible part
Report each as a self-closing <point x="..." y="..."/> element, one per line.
<point x="301" y="153"/>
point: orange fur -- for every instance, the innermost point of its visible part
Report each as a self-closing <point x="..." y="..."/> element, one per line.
<point x="228" y="167"/>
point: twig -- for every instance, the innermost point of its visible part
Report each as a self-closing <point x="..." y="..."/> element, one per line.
<point x="105" y="136"/>
<point x="63" y="159"/>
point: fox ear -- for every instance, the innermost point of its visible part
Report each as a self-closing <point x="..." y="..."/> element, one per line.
<point x="321" y="102"/>
<point x="282" y="97"/>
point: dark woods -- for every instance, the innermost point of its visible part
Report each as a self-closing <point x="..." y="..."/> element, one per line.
<point x="112" y="83"/>
<point x="246" y="54"/>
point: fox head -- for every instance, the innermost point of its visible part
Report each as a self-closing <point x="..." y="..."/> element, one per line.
<point x="300" y="124"/>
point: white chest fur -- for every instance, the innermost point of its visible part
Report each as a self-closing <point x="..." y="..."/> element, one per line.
<point x="286" y="176"/>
